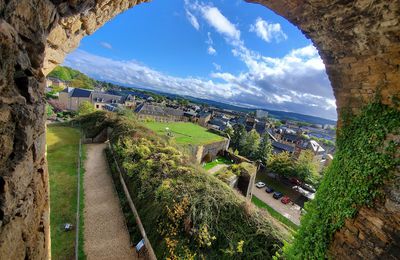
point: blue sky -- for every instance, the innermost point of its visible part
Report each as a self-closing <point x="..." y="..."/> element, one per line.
<point x="229" y="51"/>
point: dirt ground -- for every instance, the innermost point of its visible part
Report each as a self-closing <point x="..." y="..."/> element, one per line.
<point x="106" y="236"/>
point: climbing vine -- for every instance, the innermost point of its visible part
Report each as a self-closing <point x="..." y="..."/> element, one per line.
<point x="365" y="159"/>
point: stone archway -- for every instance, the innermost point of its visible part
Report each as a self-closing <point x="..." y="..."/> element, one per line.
<point x="357" y="40"/>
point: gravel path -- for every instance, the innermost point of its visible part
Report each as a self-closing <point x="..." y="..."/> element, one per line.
<point x="289" y="211"/>
<point x="106" y="236"/>
<point x="216" y="168"/>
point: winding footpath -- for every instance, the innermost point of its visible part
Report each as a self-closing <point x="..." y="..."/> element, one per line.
<point x="106" y="235"/>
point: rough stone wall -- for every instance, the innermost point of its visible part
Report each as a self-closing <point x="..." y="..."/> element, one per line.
<point x="358" y="41"/>
<point x="213" y="149"/>
<point x="359" y="44"/>
<point x="25" y="26"/>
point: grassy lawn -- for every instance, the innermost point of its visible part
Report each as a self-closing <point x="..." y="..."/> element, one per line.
<point x="62" y="157"/>
<point x="185" y="133"/>
<point x="259" y="203"/>
<point x="219" y="160"/>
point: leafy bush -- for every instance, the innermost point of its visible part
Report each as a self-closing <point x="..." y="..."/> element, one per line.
<point x="363" y="162"/>
<point x="186" y="213"/>
<point x="85" y="108"/>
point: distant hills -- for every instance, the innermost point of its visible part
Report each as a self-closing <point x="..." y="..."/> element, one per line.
<point x="74" y="78"/>
<point x="78" y="79"/>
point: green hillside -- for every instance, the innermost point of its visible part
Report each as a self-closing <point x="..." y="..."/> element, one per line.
<point x="75" y="78"/>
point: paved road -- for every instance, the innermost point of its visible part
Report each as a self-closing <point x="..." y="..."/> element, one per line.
<point x="106" y="236"/>
<point x="288" y="211"/>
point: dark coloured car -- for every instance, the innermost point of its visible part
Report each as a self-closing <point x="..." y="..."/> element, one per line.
<point x="308" y="187"/>
<point x="277" y="195"/>
<point x="269" y="190"/>
<point x="295" y="181"/>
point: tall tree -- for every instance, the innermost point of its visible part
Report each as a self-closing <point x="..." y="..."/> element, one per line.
<point x="239" y="137"/>
<point x="229" y="131"/>
<point x="282" y="164"/>
<point x="264" y="150"/>
<point x="252" y="141"/>
<point x="306" y="168"/>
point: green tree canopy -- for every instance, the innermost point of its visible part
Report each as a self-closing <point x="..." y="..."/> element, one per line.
<point x="306" y="168"/>
<point x="75" y="78"/>
<point x="238" y="138"/>
<point x="264" y="150"/>
<point x="229" y="131"/>
<point x="282" y="164"/>
<point x="85" y="108"/>
<point x="252" y="141"/>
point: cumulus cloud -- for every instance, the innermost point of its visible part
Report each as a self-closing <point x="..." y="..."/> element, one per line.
<point x="106" y="45"/>
<point x="268" y="31"/>
<point x="246" y="89"/>
<point x="215" y="18"/>
<point x="295" y="82"/>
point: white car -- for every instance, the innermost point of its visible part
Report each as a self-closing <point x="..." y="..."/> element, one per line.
<point x="260" y="184"/>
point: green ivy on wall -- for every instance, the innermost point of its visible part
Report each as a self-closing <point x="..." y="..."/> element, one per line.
<point x="365" y="159"/>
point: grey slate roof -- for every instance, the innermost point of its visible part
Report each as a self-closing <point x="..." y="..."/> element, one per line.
<point x="106" y="98"/>
<point x="282" y="147"/>
<point x="79" y="92"/>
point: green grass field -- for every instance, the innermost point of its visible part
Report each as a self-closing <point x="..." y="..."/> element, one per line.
<point x="185" y="133"/>
<point x="62" y="157"/>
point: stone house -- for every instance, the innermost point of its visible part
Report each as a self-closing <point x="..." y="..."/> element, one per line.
<point x="100" y="99"/>
<point x="203" y="118"/>
<point x="50" y="81"/>
<point x="71" y="98"/>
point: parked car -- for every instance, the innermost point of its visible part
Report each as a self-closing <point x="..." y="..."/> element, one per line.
<point x="277" y="195"/>
<point x="295" y="181"/>
<point x="260" y="184"/>
<point x="286" y="200"/>
<point x="308" y="187"/>
<point x="269" y="190"/>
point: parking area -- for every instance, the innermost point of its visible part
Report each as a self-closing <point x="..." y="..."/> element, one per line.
<point x="284" y="187"/>
<point x="289" y="211"/>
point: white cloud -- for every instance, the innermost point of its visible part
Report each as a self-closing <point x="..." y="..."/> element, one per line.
<point x="211" y="50"/>
<point x="295" y="82"/>
<point x="268" y="31"/>
<point x="193" y="20"/>
<point x="217" y="66"/>
<point x="106" y="45"/>
<point x="219" y="22"/>
<point x="214" y="18"/>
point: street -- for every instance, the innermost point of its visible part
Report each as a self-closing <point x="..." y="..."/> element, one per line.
<point x="291" y="212"/>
